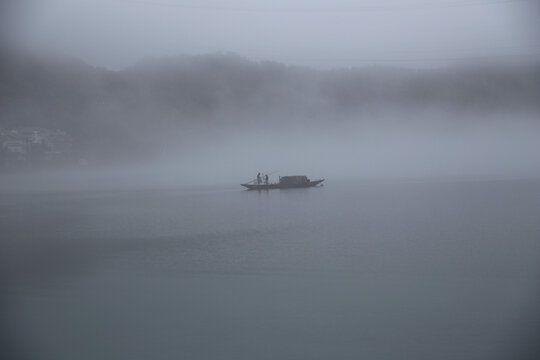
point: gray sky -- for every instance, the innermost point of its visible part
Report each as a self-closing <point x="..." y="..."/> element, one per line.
<point x="318" y="33"/>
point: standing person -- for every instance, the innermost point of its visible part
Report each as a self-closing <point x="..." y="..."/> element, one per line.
<point x="266" y="179"/>
<point x="259" y="181"/>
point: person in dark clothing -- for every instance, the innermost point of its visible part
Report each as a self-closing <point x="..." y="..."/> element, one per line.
<point x="266" y="179"/>
<point x="259" y="180"/>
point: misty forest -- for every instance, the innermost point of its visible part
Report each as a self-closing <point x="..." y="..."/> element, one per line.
<point x="154" y="106"/>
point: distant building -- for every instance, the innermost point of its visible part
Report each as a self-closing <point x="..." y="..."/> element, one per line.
<point x="14" y="151"/>
<point x="58" y="145"/>
<point x="33" y="146"/>
<point x="14" y="146"/>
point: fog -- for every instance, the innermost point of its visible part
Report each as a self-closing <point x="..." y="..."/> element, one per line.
<point x="127" y="127"/>
<point x="387" y="151"/>
<point x="217" y="91"/>
<point x="221" y="118"/>
<point x="373" y="152"/>
<point x="321" y="33"/>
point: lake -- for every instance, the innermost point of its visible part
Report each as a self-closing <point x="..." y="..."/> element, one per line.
<point x="351" y="270"/>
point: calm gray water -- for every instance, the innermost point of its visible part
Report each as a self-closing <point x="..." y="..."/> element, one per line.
<point x="348" y="271"/>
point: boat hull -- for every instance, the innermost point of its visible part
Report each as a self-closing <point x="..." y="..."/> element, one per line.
<point x="282" y="186"/>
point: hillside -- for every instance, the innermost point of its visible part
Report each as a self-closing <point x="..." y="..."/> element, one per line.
<point x="131" y="110"/>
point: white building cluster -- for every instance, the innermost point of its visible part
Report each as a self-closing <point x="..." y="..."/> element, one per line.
<point x="34" y="146"/>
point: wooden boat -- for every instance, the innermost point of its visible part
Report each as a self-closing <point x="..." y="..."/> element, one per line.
<point x="285" y="182"/>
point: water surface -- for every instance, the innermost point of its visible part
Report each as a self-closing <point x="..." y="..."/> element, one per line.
<point x="365" y="270"/>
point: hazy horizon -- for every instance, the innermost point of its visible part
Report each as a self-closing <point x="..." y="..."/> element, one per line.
<point x="321" y="34"/>
<point x="222" y="118"/>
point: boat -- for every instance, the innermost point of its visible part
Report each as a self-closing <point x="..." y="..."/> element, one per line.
<point x="285" y="182"/>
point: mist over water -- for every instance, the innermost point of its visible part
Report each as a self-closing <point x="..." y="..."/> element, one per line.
<point x="222" y="118"/>
<point x="394" y="149"/>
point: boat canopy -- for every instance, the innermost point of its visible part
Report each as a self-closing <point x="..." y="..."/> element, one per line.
<point x="297" y="179"/>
